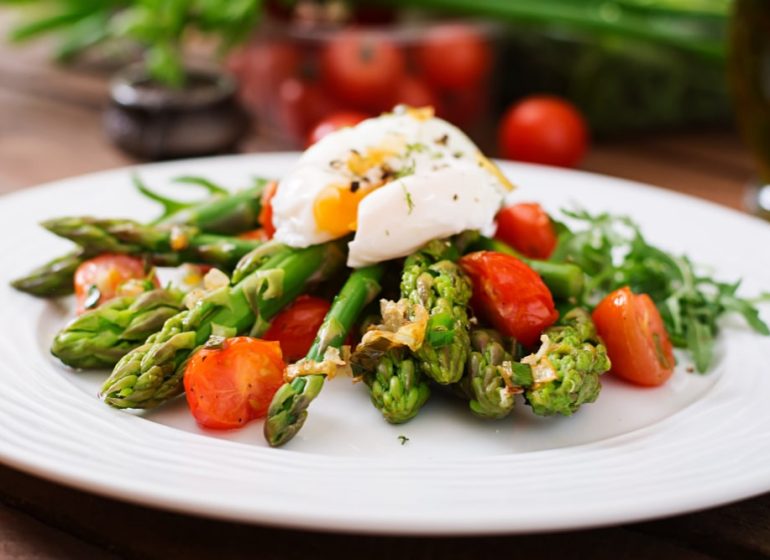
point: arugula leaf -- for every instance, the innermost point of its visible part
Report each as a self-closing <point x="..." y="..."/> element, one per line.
<point x="613" y="253"/>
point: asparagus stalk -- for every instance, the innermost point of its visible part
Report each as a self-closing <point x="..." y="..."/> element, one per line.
<point x="567" y="366"/>
<point x="492" y="377"/>
<point x="100" y="337"/>
<point x="288" y="409"/>
<point x="432" y="280"/>
<point x="566" y="281"/>
<point x="152" y="373"/>
<point x="223" y="214"/>
<point x="163" y="245"/>
<point x="397" y="387"/>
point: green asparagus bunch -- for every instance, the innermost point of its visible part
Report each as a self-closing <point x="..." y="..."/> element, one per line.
<point x="288" y="409"/>
<point x="567" y="366"/>
<point x="431" y="279"/>
<point x="164" y="245"/>
<point x="223" y="213"/>
<point x="100" y="337"/>
<point x="152" y="373"/>
<point x="492" y="376"/>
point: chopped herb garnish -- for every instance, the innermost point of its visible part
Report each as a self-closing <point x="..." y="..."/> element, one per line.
<point x="403" y="439"/>
<point x="408" y="197"/>
<point x="458" y="154"/>
<point x="405" y="171"/>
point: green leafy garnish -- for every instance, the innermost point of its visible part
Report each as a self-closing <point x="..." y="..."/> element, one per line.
<point x="613" y="253"/>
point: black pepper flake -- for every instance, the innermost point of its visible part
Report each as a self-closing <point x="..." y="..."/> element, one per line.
<point x="354" y="186"/>
<point x="458" y="155"/>
<point x="335" y="163"/>
<point x="455" y="197"/>
<point x="355" y="152"/>
<point x="442" y="140"/>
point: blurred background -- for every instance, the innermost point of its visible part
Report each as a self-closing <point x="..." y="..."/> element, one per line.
<point x="561" y="82"/>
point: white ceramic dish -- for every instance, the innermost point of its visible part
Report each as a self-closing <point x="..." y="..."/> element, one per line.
<point x="636" y="454"/>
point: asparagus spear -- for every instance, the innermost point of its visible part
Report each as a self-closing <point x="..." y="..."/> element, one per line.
<point x="432" y="280"/>
<point x="224" y="215"/>
<point x="397" y="387"/>
<point x="288" y="410"/>
<point x="493" y="377"/>
<point x="567" y="366"/>
<point x="163" y="245"/>
<point x="152" y="373"/>
<point x="100" y="337"/>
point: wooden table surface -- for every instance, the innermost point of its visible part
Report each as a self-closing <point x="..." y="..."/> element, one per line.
<point x="50" y="128"/>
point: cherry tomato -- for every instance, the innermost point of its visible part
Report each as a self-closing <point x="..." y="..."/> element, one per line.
<point x="334" y="122"/>
<point x="528" y="229"/>
<point x="462" y="107"/>
<point x="361" y="69"/>
<point x="453" y="56"/>
<point x="258" y="234"/>
<point x="637" y="342"/>
<point x="98" y="279"/>
<point x="415" y="93"/>
<point x="510" y="295"/>
<point x="265" y="217"/>
<point x="296" y="326"/>
<point x="260" y="68"/>
<point x="229" y="386"/>
<point x="545" y="130"/>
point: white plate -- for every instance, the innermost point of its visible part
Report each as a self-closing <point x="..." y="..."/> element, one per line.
<point x="637" y="453"/>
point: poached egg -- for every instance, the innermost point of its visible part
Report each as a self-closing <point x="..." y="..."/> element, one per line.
<point x="397" y="181"/>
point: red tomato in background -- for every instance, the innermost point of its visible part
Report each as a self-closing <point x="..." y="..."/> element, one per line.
<point x="636" y="339"/>
<point x="453" y="56"/>
<point x="462" y="107"/>
<point x="361" y="69"/>
<point x="260" y="67"/>
<point x="527" y="228"/>
<point x="296" y="326"/>
<point x="301" y="104"/>
<point x="105" y="273"/>
<point x="265" y="217"/>
<point x="545" y="130"/>
<point x="334" y="122"/>
<point x="510" y="295"/>
<point x="229" y="386"/>
<point x="415" y="93"/>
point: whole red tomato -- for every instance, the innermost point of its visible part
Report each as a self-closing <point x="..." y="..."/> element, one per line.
<point x="637" y="342"/>
<point x="453" y="56"/>
<point x="545" y="130"/>
<point x="295" y="327"/>
<point x="301" y="104"/>
<point x="361" y="67"/>
<point x="260" y="68"/>
<point x="415" y="93"/>
<point x="227" y="387"/>
<point x="462" y="107"/>
<point x="98" y="279"/>
<point x="510" y="295"/>
<point x="333" y="122"/>
<point x="527" y="228"/>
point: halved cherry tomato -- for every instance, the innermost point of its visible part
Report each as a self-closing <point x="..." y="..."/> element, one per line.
<point x="296" y="326"/>
<point x="334" y="122"/>
<point x="229" y="386"/>
<point x="258" y="234"/>
<point x="637" y="342"/>
<point x="527" y="228"/>
<point x="510" y="295"/>
<point x="265" y="217"/>
<point x="361" y="68"/>
<point x="453" y="56"/>
<point x="545" y="130"/>
<point x="98" y="279"/>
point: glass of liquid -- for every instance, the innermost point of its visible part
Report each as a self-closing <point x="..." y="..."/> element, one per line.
<point x="749" y="73"/>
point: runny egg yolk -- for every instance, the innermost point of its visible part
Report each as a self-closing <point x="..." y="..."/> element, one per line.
<point x="336" y="208"/>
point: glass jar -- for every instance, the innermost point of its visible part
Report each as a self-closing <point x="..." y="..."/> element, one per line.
<point x="291" y="77"/>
